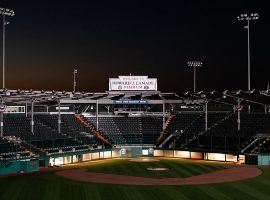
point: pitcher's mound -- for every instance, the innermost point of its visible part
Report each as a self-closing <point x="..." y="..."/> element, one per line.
<point x="157" y="168"/>
<point x="144" y="160"/>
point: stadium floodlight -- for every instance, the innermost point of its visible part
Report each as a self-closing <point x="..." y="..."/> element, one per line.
<point x="75" y="71"/>
<point x="194" y="64"/>
<point x="5" y="12"/>
<point x="248" y="18"/>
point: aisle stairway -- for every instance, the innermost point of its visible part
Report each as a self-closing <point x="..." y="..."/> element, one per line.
<point x="98" y="134"/>
<point x="165" y="133"/>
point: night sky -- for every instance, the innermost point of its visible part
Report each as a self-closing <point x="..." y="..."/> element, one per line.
<point x="46" y="40"/>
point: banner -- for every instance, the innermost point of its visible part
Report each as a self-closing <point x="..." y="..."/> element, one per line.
<point x="133" y="83"/>
<point x="130" y="102"/>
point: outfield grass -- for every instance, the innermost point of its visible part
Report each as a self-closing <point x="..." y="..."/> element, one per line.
<point x="50" y="186"/>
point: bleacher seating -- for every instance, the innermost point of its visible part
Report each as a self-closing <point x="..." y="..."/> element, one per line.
<point x="222" y="134"/>
<point x="129" y="130"/>
<point x="12" y="150"/>
<point x="19" y="126"/>
<point x="151" y="127"/>
<point x="45" y="135"/>
<point x="70" y="127"/>
<point x="187" y="124"/>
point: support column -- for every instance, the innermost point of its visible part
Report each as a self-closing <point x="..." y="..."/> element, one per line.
<point x="2" y="118"/>
<point x="97" y="114"/>
<point x="4" y="50"/>
<point x="2" y="123"/>
<point x="59" y="117"/>
<point x="225" y="146"/>
<point x="25" y="110"/>
<point x="206" y="116"/>
<point x="211" y="142"/>
<point x="194" y="79"/>
<point x="32" y="116"/>
<point x="163" y="114"/>
<point x="173" y="108"/>
<point x="238" y="115"/>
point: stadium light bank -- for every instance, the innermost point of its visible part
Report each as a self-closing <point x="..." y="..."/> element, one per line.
<point x="248" y="18"/>
<point x="5" y="12"/>
<point x="194" y="64"/>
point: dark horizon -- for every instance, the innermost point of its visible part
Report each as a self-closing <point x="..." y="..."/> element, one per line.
<point x="47" y="40"/>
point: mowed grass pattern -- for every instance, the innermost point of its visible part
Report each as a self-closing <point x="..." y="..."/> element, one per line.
<point x="176" y="168"/>
<point x="47" y="185"/>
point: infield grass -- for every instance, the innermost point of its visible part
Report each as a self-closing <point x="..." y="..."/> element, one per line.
<point x="177" y="168"/>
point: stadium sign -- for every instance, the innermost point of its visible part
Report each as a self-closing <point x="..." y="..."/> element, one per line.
<point x="130" y="102"/>
<point x="133" y="83"/>
<point x="62" y="108"/>
<point x="12" y="109"/>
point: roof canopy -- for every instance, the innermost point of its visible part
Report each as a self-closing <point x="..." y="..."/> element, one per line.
<point x="152" y="97"/>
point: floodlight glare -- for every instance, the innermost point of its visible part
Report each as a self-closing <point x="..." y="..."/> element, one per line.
<point x="194" y="63"/>
<point x="7" y="12"/>
<point x="248" y="17"/>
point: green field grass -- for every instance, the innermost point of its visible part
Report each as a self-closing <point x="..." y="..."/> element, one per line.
<point x="176" y="168"/>
<point x="49" y="186"/>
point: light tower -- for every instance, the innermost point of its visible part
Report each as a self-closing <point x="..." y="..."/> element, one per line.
<point x="248" y="18"/>
<point x="74" y="80"/>
<point x="5" y="12"/>
<point x="194" y="64"/>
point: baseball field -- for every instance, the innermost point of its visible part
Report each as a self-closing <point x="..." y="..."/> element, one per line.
<point x="126" y="179"/>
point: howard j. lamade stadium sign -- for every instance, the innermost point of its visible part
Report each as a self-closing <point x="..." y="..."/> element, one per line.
<point x="132" y="83"/>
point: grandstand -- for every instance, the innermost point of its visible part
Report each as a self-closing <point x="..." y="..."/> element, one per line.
<point x="58" y="127"/>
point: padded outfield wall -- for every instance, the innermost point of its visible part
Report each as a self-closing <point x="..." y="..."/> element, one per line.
<point x="264" y="159"/>
<point x="125" y="152"/>
<point x="91" y="155"/>
<point x="19" y="167"/>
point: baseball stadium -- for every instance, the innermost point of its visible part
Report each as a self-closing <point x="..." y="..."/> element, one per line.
<point x="134" y="142"/>
<point x="135" y="139"/>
